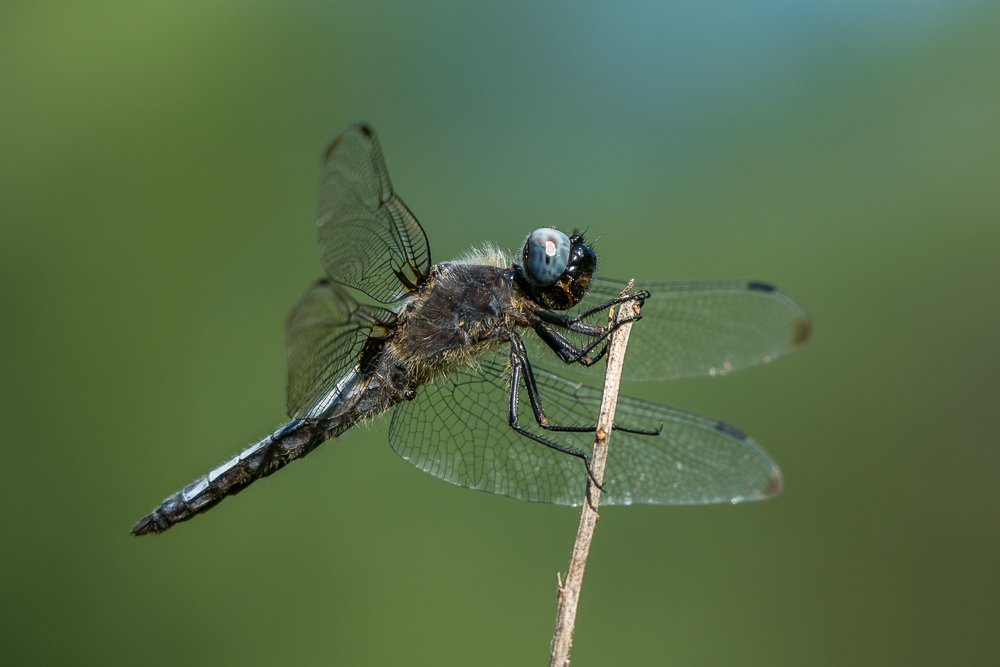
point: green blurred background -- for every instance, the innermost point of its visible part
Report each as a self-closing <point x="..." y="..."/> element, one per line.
<point x="158" y="178"/>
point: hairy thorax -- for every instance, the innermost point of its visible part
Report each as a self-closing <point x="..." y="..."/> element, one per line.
<point x="460" y="312"/>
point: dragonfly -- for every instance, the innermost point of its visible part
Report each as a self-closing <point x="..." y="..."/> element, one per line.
<point x="457" y="349"/>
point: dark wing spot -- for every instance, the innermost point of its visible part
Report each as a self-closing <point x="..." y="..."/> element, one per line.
<point x="755" y="286"/>
<point x="775" y="485"/>
<point x="366" y="129"/>
<point x="801" y="332"/>
<point x="730" y="430"/>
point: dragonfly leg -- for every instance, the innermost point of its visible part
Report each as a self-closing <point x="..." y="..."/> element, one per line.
<point x="563" y="320"/>
<point x="639" y="296"/>
<point x="518" y="365"/>
<point x="564" y="349"/>
<point x="570" y="353"/>
<point x="523" y="367"/>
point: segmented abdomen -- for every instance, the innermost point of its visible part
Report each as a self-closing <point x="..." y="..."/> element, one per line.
<point x="293" y="440"/>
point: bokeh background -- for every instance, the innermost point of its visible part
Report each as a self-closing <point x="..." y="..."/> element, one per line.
<point x="158" y="178"/>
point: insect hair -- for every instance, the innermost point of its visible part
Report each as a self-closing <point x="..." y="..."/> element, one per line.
<point x="487" y="254"/>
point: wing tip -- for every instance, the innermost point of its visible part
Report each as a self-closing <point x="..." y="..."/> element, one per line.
<point x="363" y="127"/>
<point x="774" y="486"/>
<point x="801" y="328"/>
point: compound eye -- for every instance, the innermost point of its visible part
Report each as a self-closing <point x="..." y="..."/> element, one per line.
<point x="545" y="255"/>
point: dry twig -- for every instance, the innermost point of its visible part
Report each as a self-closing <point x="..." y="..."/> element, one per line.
<point x="569" y="592"/>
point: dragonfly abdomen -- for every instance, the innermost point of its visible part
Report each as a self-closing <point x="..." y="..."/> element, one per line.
<point x="292" y="441"/>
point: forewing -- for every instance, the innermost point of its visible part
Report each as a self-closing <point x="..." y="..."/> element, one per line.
<point x="326" y="331"/>
<point x="695" y="329"/>
<point x="368" y="239"/>
<point x="457" y="430"/>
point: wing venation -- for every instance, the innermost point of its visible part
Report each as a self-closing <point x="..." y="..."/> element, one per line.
<point x="326" y="331"/>
<point x="369" y="239"/>
<point x="457" y="430"/>
<point x="695" y="329"/>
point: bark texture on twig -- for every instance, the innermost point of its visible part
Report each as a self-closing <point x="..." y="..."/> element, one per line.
<point x="569" y="591"/>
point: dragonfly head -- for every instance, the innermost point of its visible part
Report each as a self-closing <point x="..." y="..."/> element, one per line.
<point x="557" y="268"/>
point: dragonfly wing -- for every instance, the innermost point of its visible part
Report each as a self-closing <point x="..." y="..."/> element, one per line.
<point x="326" y="333"/>
<point x="696" y="329"/>
<point x="368" y="238"/>
<point x="457" y="430"/>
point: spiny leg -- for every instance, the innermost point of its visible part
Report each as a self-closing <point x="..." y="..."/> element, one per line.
<point x="518" y="349"/>
<point x="567" y="351"/>
<point x="515" y="384"/>
<point x="639" y="296"/>
<point x="567" y="321"/>
<point x="564" y="349"/>
<point x="570" y="353"/>
<point x="521" y="369"/>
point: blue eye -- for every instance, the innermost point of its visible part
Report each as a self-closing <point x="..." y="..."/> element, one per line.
<point x="545" y="255"/>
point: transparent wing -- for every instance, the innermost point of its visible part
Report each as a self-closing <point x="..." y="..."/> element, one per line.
<point x="368" y="239"/>
<point x="695" y="329"/>
<point x="325" y="335"/>
<point x="457" y="430"/>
